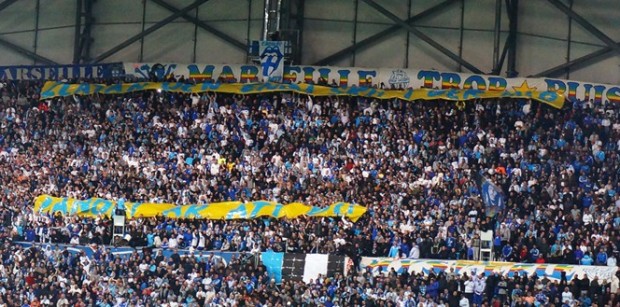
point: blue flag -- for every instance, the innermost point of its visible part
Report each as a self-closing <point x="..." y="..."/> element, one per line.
<point x="492" y="196"/>
<point x="273" y="261"/>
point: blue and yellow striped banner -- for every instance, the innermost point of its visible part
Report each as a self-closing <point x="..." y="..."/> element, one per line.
<point x="93" y="207"/>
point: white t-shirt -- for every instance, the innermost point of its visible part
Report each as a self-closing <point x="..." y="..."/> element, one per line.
<point x="172" y="243"/>
<point x="469" y="286"/>
<point x="567" y="297"/>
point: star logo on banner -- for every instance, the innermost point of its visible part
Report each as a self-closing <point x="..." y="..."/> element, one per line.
<point x="524" y="88"/>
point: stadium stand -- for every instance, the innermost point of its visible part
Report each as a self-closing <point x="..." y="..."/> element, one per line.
<point x="414" y="165"/>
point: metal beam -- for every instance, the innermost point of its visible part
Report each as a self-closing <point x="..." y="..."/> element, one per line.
<point x="497" y="31"/>
<point x="6" y="4"/>
<point x="78" y="31"/>
<point x="498" y="68"/>
<point x="37" y="15"/>
<point x="569" y="39"/>
<point x="225" y="37"/>
<point x="148" y="31"/>
<point x="365" y="43"/>
<point x="423" y="36"/>
<point x="592" y="57"/>
<point x="512" y="7"/>
<point x="86" y="38"/>
<point x="299" y="19"/>
<point x="461" y="33"/>
<point x="407" y="44"/>
<point x="354" y="40"/>
<point x="26" y="52"/>
<point x="586" y="25"/>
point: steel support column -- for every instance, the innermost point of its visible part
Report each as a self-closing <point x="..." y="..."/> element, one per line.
<point x="148" y="31"/>
<point x="461" y="33"/>
<point x="586" y="25"/>
<point x="195" y="38"/>
<point x="423" y="36"/>
<point x="498" y="69"/>
<point x="143" y="24"/>
<point x="225" y="37"/>
<point x="83" y="39"/>
<point x="408" y="36"/>
<point x="569" y="39"/>
<point x="78" y="31"/>
<point x="247" y="33"/>
<point x="354" y="40"/>
<point x="299" y="19"/>
<point x="87" y="38"/>
<point x="380" y="36"/>
<point x="37" y="15"/>
<point x="512" y="7"/>
<point x="497" y="29"/>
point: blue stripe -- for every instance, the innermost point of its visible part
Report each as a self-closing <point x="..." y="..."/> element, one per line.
<point x="273" y="261"/>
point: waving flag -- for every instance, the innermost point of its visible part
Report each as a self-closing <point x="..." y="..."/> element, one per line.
<point x="492" y="196"/>
<point x="272" y="60"/>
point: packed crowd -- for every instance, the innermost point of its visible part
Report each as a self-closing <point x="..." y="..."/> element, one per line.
<point x="57" y="277"/>
<point x="412" y="164"/>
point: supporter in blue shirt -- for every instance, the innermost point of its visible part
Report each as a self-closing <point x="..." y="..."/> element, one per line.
<point x="587" y="260"/>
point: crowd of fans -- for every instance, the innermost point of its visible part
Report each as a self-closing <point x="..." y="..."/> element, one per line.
<point x="412" y="164"/>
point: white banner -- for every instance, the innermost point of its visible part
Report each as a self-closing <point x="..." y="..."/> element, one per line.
<point x="315" y="264"/>
<point x="271" y="55"/>
<point x="381" y="77"/>
<point x="510" y="269"/>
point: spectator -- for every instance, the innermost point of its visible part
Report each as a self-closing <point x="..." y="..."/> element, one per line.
<point x="587" y="260"/>
<point x="411" y="164"/>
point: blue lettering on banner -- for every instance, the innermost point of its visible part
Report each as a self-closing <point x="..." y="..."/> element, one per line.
<point x="548" y="96"/>
<point x="193" y="211"/>
<point x="471" y="94"/>
<point x="101" y="206"/>
<point x="294" y="87"/>
<point x="134" y="209"/>
<point x="497" y="84"/>
<point x="45" y="204"/>
<point x="83" y="89"/>
<point x="436" y="93"/>
<point x="408" y="94"/>
<point x="277" y="209"/>
<point x="173" y="212"/>
<point x="173" y="87"/>
<point x="115" y="88"/>
<point x="61" y="206"/>
<point x="238" y="213"/>
<point x="126" y="252"/>
<point x="135" y="87"/>
<point x="64" y="90"/>
<point x="350" y="209"/>
<point x="205" y="87"/>
<point x="316" y="210"/>
<point x="51" y="91"/>
<point x="452" y="94"/>
<point x="57" y="72"/>
<point x="258" y="205"/>
<point x="194" y="71"/>
<point x="337" y="209"/>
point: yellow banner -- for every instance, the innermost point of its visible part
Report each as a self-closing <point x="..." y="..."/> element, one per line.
<point x="93" y="207"/>
<point x="56" y="89"/>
